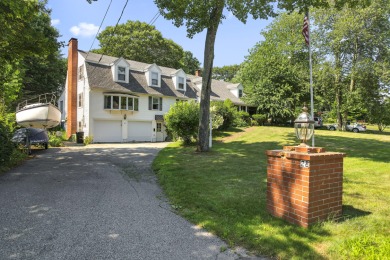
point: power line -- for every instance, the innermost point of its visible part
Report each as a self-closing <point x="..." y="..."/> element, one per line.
<point x="155" y="17"/>
<point x="98" y="29"/>
<point x="116" y="25"/>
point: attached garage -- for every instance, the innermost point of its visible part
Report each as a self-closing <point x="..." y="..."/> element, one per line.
<point x="139" y="131"/>
<point x="107" y="131"/>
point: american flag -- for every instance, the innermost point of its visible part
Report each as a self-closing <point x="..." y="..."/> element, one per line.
<point x="305" y="30"/>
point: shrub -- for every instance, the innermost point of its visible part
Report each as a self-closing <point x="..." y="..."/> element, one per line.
<point x="259" y="119"/>
<point x="241" y="119"/>
<point x="182" y="120"/>
<point x="217" y="121"/>
<point x="88" y="140"/>
<point x="227" y="110"/>
<point x="6" y="146"/>
<point x="55" y="140"/>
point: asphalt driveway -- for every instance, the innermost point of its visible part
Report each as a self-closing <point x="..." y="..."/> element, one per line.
<point x="96" y="202"/>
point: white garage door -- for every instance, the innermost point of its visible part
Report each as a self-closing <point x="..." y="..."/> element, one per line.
<point x="106" y="131"/>
<point x="139" y="131"/>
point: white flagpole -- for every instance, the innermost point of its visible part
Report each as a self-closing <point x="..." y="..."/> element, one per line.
<point x="311" y="79"/>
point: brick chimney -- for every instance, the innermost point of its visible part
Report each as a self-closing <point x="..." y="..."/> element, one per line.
<point x="198" y="73"/>
<point x="71" y="123"/>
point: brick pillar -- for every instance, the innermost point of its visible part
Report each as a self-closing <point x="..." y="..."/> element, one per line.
<point x="71" y="123"/>
<point x="304" y="184"/>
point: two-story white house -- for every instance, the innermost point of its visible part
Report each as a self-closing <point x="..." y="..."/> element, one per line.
<point x="117" y="100"/>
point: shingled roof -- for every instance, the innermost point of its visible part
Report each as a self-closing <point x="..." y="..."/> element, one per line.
<point x="100" y="77"/>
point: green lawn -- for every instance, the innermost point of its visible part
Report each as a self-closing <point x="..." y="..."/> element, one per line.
<point x="225" y="192"/>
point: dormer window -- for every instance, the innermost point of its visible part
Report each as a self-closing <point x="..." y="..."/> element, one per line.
<point x="153" y="75"/>
<point x="121" y="73"/>
<point x="179" y="79"/>
<point x="120" y="70"/>
<point x="154" y="79"/>
<point x="240" y="93"/>
<point x="180" y="83"/>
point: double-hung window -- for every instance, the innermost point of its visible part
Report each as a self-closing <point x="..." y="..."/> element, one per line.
<point x="240" y="93"/>
<point x="154" y="79"/>
<point x="155" y="103"/>
<point x="121" y="73"/>
<point x="180" y="84"/>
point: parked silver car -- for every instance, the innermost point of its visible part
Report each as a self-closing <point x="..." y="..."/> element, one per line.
<point x="356" y="128"/>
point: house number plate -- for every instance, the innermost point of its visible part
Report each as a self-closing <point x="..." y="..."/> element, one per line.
<point x="304" y="164"/>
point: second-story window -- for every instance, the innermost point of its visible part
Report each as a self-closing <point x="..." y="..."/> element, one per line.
<point x="155" y="103"/>
<point x="81" y="72"/>
<point x="154" y="78"/>
<point x="80" y="103"/>
<point x="240" y="93"/>
<point x="120" y="102"/>
<point x="122" y="73"/>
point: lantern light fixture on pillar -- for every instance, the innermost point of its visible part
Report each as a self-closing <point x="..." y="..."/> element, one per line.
<point x="304" y="126"/>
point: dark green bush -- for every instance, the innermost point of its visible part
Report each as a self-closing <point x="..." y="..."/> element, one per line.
<point x="259" y="119"/>
<point x="227" y="110"/>
<point x="6" y="146"/>
<point x="241" y="119"/>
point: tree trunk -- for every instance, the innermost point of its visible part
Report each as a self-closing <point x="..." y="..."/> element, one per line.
<point x="204" y="117"/>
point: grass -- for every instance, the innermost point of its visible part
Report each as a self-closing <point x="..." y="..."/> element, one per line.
<point x="224" y="191"/>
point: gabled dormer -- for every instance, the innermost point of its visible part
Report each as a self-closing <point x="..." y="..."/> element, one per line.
<point x="236" y="89"/>
<point x="120" y="70"/>
<point x="153" y="75"/>
<point x="179" y="80"/>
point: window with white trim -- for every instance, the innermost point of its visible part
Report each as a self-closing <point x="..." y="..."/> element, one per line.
<point x="120" y="102"/>
<point x="154" y="79"/>
<point x="180" y="84"/>
<point x="81" y="72"/>
<point x="240" y="93"/>
<point x="121" y="73"/>
<point x="155" y="103"/>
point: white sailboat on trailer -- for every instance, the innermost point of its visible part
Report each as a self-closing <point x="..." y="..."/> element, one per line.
<point x="39" y="112"/>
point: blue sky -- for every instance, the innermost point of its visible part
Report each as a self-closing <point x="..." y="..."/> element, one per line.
<point x="78" y="19"/>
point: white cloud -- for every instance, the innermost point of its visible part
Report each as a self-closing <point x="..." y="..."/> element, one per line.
<point x="84" y="29"/>
<point x="55" y="22"/>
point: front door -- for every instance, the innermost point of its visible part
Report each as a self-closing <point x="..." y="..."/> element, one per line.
<point x="159" y="132"/>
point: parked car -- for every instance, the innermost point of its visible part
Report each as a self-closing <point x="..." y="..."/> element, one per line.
<point x="332" y="127"/>
<point x="317" y="122"/>
<point x="356" y="128"/>
<point x="26" y="137"/>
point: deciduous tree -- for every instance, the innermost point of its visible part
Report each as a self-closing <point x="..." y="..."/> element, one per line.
<point x="355" y="47"/>
<point x="142" y="42"/>
<point x="275" y="73"/>
<point x="199" y="15"/>
<point x="225" y="73"/>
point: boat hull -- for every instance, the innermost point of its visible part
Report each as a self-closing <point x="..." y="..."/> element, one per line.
<point x="39" y="116"/>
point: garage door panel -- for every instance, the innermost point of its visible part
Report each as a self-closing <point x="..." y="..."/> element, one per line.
<point x="107" y="131"/>
<point x="139" y="131"/>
